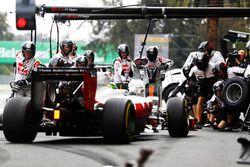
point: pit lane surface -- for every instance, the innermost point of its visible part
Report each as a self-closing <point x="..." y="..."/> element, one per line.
<point x="204" y="147"/>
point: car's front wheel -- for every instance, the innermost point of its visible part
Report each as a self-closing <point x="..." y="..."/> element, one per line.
<point x="178" y="117"/>
<point x="118" y="120"/>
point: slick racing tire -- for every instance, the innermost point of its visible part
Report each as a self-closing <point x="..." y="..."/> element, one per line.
<point x="235" y="93"/>
<point x="38" y="97"/>
<point x="178" y="117"/>
<point x="118" y="120"/>
<point x="18" y="126"/>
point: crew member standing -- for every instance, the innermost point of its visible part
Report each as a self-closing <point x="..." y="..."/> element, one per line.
<point x="123" y="67"/>
<point x="26" y="62"/>
<point x="61" y="59"/>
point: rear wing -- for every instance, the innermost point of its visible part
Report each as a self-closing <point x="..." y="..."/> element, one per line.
<point x="42" y="76"/>
<point x="60" y="74"/>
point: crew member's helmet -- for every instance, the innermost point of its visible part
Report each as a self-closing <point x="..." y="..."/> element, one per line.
<point x="66" y="43"/>
<point x="29" y="46"/>
<point x="90" y="55"/>
<point x="218" y="86"/>
<point x="206" y="46"/>
<point x="152" y="53"/>
<point x="81" y="61"/>
<point x="123" y="48"/>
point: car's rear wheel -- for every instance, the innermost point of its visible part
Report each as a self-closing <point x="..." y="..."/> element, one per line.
<point x="18" y="125"/>
<point x="178" y="117"/>
<point x="38" y="96"/>
<point x="118" y="120"/>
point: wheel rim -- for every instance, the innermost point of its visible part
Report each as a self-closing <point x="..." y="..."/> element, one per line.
<point x="234" y="93"/>
<point x="51" y="93"/>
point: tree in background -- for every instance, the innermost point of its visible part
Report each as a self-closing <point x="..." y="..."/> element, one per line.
<point x="186" y="33"/>
<point x="5" y="35"/>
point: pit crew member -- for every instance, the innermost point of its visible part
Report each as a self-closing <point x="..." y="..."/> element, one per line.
<point x="26" y="62"/>
<point x="62" y="59"/>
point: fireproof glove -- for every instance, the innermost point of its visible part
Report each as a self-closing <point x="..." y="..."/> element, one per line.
<point x="60" y="62"/>
<point x="22" y="82"/>
<point x="164" y="67"/>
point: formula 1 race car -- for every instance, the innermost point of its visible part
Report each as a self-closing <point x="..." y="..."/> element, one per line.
<point x="63" y="101"/>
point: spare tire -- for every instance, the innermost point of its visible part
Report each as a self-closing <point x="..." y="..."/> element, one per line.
<point x="235" y="93"/>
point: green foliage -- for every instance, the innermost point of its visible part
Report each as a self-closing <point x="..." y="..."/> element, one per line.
<point x="4" y="33"/>
<point x="103" y="50"/>
<point x="5" y="69"/>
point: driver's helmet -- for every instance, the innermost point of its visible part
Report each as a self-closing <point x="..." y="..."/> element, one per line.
<point x="66" y="43"/>
<point x="218" y="86"/>
<point x="202" y="61"/>
<point x="206" y="46"/>
<point x="152" y="53"/>
<point x="123" y="48"/>
<point x="90" y="55"/>
<point x="29" y="46"/>
<point x="81" y="61"/>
